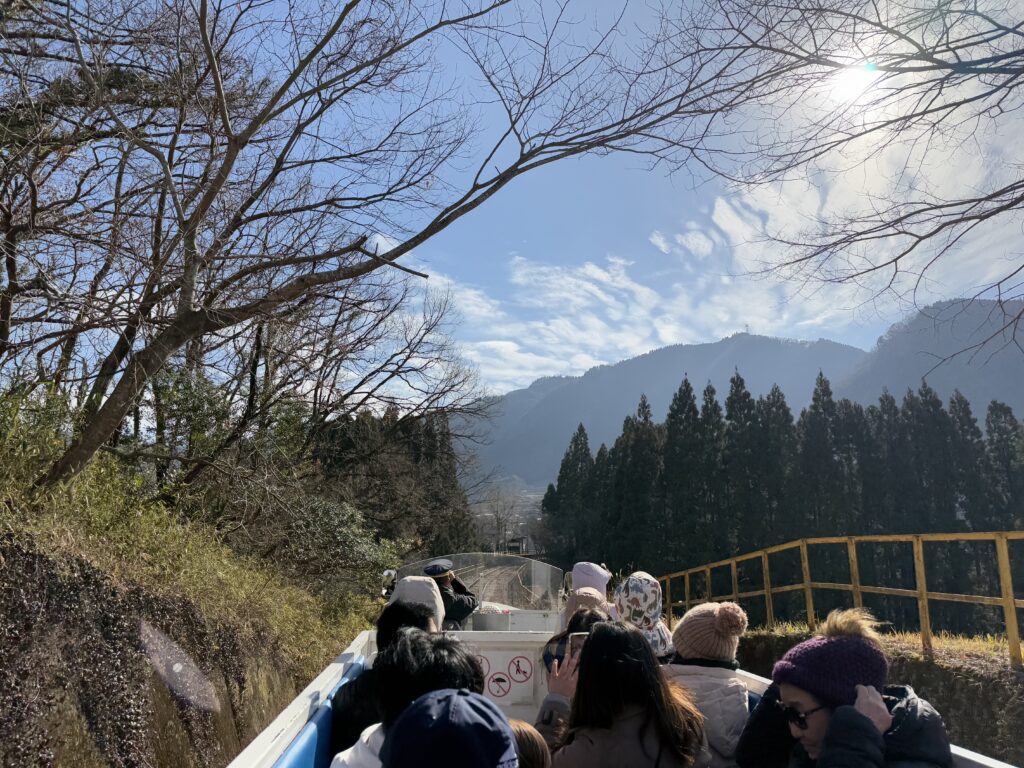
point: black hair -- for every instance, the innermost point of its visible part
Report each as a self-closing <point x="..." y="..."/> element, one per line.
<point x="583" y="620"/>
<point x="398" y="615"/>
<point x="418" y="663"/>
<point x="618" y="669"/>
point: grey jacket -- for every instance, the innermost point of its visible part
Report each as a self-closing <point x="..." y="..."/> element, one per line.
<point x="722" y="698"/>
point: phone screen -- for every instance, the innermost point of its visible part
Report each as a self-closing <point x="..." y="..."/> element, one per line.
<point x="576" y="641"/>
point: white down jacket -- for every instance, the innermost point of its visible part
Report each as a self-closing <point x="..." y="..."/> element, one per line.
<point x="365" y="753"/>
<point x="722" y="698"/>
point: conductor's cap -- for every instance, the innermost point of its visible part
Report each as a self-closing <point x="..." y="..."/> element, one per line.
<point x="437" y="568"/>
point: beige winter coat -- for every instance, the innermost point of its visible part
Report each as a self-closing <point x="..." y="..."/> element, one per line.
<point x="627" y="744"/>
<point x="722" y="698"/>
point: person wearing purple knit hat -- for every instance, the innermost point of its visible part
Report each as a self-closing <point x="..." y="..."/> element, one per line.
<point x="830" y="693"/>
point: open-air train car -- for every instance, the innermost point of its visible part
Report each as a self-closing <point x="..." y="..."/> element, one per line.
<point x="522" y="603"/>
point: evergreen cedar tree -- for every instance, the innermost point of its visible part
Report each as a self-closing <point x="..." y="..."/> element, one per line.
<point x="710" y="482"/>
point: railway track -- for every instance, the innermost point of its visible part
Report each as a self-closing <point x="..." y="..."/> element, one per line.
<point x="502" y="584"/>
<point x="495" y="585"/>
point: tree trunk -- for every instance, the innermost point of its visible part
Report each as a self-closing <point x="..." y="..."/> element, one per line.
<point x="107" y="418"/>
<point x="8" y="248"/>
<point x="160" y="420"/>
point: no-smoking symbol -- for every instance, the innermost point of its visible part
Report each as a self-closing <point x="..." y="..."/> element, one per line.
<point x="498" y="685"/>
<point x="520" y="669"/>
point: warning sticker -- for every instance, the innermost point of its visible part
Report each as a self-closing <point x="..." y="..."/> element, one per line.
<point x="498" y="685"/>
<point x="520" y="669"/>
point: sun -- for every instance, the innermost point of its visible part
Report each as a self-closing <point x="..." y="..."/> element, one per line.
<point x="849" y="84"/>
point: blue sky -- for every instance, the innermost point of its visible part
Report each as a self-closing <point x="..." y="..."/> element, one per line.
<point x="600" y="259"/>
<point x="595" y="260"/>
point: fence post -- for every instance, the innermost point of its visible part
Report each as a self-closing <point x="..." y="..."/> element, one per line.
<point x="851" y="553"/>
<point x="769" y="609"/>
<point x="686" y="587"/>
<point x="922" y="597"/>
<point x="707" y="585"/>
<point x="1009" y="603"/>
<point x="668" y="600"/>
<point x="735" y="582"/>
<point x="808" y="592"/>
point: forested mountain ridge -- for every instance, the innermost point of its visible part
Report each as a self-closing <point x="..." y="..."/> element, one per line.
<point x="531" y="426"/>
<point x="731" y="473"/>
<point x="528" y="433"/>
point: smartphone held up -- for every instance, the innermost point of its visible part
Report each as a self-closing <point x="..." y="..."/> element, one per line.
<point x="576" y="641"/>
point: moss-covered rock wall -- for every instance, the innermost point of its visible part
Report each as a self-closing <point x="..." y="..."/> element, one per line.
<point x="94" y="673"/>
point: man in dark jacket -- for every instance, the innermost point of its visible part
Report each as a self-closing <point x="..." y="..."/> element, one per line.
<point x="458" y="601"/>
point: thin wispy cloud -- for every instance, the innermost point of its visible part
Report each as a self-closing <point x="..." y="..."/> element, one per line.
<point x="547" y="319"/>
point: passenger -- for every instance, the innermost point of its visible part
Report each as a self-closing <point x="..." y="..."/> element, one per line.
<point x="638" y="601"/>
<point x="353" y="708"/>
<point x="458" y="601"/>
<point x="414" y="664"/>
<point x="590" y="576"/>
<point x="705" y="642"/>
<point x="582" y="620"/>
<point x="530" y="746"/>
<point x="610" y="706"/>
<point x="450" y="729"/>
<point x="587" y="597"/>
<point x="420" y="589"/>
<point x="826" y="694"/>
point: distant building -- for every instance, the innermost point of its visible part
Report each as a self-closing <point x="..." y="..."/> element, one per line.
<point x="518" y="545"/>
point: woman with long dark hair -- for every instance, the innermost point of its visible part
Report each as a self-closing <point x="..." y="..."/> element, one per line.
<point x="611" y="706"/>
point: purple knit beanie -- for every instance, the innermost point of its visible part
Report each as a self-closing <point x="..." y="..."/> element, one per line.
<point x="831" y="668"/>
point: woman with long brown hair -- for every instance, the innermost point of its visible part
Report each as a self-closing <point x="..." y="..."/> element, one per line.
<point x="623" y="710"/>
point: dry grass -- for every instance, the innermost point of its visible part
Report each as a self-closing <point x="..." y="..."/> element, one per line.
<point x="989" y="653"/>
<point x="103" y="519"/>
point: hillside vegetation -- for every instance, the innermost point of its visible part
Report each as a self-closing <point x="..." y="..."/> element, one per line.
<point x="253" y="574"/>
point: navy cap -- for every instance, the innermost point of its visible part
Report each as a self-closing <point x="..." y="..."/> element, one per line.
<point x="450" y="729"/>
<point x="437" y="568"/>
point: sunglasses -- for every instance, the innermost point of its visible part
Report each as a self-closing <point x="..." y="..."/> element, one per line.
<point x="795" y="716"/>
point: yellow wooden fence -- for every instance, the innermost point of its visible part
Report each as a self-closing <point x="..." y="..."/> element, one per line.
<point x="1006" y="599"/>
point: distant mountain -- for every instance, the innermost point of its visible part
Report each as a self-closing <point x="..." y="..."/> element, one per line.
<point x="936" y="344"/>
<point x="532" y="428"/>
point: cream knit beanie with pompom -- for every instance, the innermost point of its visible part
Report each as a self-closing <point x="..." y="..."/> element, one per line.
<point x="710" y="631"/>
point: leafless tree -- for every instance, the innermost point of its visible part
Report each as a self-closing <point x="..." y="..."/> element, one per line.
<point x="373" y="345"/>
<point x="224" y="166"/>
<point x="900" y="88"/>
<point x="496" y="514"/>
